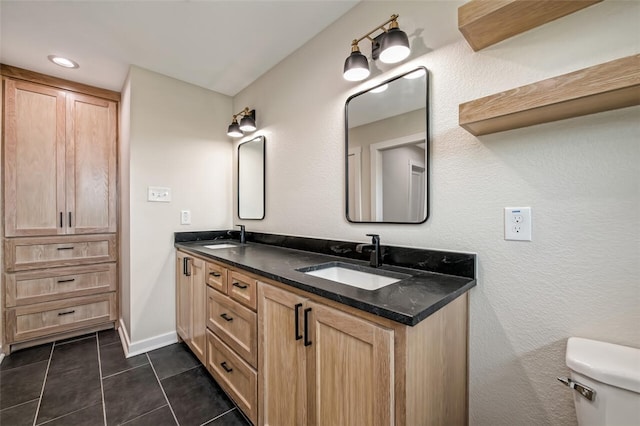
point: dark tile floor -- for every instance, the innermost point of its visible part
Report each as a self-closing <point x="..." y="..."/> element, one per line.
<point x="88" y="381"/>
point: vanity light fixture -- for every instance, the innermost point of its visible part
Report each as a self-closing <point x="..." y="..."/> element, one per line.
<point x="390" y="46"/>
<point x="63" y="62"/>
<point x="247" y="123"/>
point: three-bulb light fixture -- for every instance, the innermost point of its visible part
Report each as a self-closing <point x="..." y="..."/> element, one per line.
<point x="247" y="123"/>
<point x="391" y="46"/>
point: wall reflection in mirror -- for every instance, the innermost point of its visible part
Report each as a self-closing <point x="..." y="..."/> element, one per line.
<point x="387" y="151"/>
<point x="251" y="185"/>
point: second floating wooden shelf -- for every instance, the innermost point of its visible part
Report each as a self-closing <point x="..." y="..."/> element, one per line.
<point x="600" y="88"/>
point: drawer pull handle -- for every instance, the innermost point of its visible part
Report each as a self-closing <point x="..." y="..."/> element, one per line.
<point x="226" y="317"/>
<point x="297" y="323"/>
<point x="215" y="274"/>
<point x="237" y="284"/>
<point x="227" y="369"/>
<point x="69" y="219"/>
<point x="65" y="313"/>
<point x="307" y="342"/>
<point x="66" y="281"/>
<point x="61" y="224"/>
<point x="65" y="248"/>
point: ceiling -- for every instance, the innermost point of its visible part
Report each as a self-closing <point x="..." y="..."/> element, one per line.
<point x="219" y="45"/>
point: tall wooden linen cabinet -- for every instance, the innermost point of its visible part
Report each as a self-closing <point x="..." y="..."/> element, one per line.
<point x="60" y="273"/>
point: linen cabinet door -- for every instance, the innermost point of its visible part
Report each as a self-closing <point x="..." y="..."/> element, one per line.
<point x="282" y="384"/>
<point x="350" y="369"/>
<point x="34" y="152"/>
<point x="183" y="295"/>
<point x="90" y="165"/>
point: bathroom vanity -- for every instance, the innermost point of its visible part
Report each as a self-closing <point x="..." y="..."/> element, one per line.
<point x="292" y="348"/>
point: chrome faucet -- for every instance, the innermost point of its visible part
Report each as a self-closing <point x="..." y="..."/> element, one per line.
<point x="375" y="259"/>
<point x="243" y="237"/>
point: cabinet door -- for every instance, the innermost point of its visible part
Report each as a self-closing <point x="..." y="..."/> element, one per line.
<point x="183" y="295"/>
<point x="282" y="365"/>
<point x="198" y="342"/>
<point x="90" y="165"/>
<point x="34" y="152"/>
<point x="350" y="369"/>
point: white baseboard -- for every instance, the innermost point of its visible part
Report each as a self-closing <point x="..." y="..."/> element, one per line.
<point x="146" y="345"/>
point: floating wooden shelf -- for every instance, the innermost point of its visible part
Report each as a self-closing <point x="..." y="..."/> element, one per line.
<point x="603" y="87"/>
<point x="487" y="22"/>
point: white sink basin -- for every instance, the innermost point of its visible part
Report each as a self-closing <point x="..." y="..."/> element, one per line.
<point x="346" y="274"/>
<point x="220" y="246"/>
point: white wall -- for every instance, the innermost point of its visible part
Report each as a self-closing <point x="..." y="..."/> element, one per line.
<point x="177" y="139"/>
<point x="578" y="277"/>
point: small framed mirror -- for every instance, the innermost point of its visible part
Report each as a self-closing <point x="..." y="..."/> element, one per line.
<point x="387" y="151"/>
<point x="251" y="179"/>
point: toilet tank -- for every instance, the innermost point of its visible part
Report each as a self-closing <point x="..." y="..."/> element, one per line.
<point x="613" y="372"/>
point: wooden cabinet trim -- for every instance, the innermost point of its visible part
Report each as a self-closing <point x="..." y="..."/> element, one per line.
<point x="35" y="77"/>
<point x="216" y="276"/>
<point x="242" y="288"/>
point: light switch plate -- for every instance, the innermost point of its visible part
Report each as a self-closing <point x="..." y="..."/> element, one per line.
<point x="517" y="223"/>
<point x="159" y="194"/>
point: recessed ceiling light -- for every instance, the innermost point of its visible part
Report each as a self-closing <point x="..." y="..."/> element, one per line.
<point x="63" y="62"/>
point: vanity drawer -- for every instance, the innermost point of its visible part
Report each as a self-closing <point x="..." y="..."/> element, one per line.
<point x="242" y="289"/>
<point x="234" y="375"/>
<point x="234" y="324"/>
<point x="24" y="288"/>
<point x="217" y="277"/>
<point x="35" y="252"/>
<point x="43" y="319"/>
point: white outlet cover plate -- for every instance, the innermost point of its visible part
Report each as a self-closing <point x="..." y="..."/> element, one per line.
<point x="185" y="217"/>
<point x="159" y="194"/>
<point x="517" y="223"/>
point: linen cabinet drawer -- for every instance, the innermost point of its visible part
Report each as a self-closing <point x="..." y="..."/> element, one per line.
<point x="43" y="319"/>
<point x="217" y="277"/>
<point x="24" y="288"/>
<point x="234" y="324"/>
<point x="234" y="375"/>
<point x="36" y="253"/>
<point x="243" y="289"/>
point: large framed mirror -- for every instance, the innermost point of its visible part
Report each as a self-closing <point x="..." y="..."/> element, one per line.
<point x="387" y="151"/>
<point x="251" y="179"/>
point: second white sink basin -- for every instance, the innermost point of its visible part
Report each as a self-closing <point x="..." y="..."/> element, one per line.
<point x="353" y="276"/>
<point x="220" y="246"/>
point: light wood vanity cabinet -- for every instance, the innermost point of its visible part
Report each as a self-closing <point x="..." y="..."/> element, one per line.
<point x="191" y="302"/>
<point x="323" y="363"/>
<point x="59" y="208"/>
<point x="336" y="368"/>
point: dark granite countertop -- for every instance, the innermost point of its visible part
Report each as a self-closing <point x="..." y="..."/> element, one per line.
<point x="407" y="301"/>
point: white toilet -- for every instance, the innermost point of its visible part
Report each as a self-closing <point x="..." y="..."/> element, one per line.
<point x="612" y="373"/>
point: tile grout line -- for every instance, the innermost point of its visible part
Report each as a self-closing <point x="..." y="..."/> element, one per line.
<point x="22" y="403"/>
<point x="85" y="337"/>
<point x="143" y="414"/>
<point x="218" y="416"/>
<point x="162" y="389"/>
<point x="188" y="369"/>
<point x="104" y="406"/>
<point x="64" y="415"/>
<point x="124" y="371"/>
<point x="44" y="382"/>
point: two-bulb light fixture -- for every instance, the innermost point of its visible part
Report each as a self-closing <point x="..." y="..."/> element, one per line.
<point x="391" y="46"/>
<point x="247" y="123"/>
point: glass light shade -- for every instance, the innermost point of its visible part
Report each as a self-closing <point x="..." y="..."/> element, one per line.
<point x="234" y="130"/>
<point x="247" y="124"/>
<point x="394" y="46"/>
<point x="356" y="67"/>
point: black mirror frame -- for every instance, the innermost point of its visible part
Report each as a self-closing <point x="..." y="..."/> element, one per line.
<point x="427" y="149"/>
<point x="264" y="178"/>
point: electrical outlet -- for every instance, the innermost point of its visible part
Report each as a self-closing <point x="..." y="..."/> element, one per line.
<point x="517" y="223"/>
<point x="159" y="194"/>
<point x="185" y="217"/>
